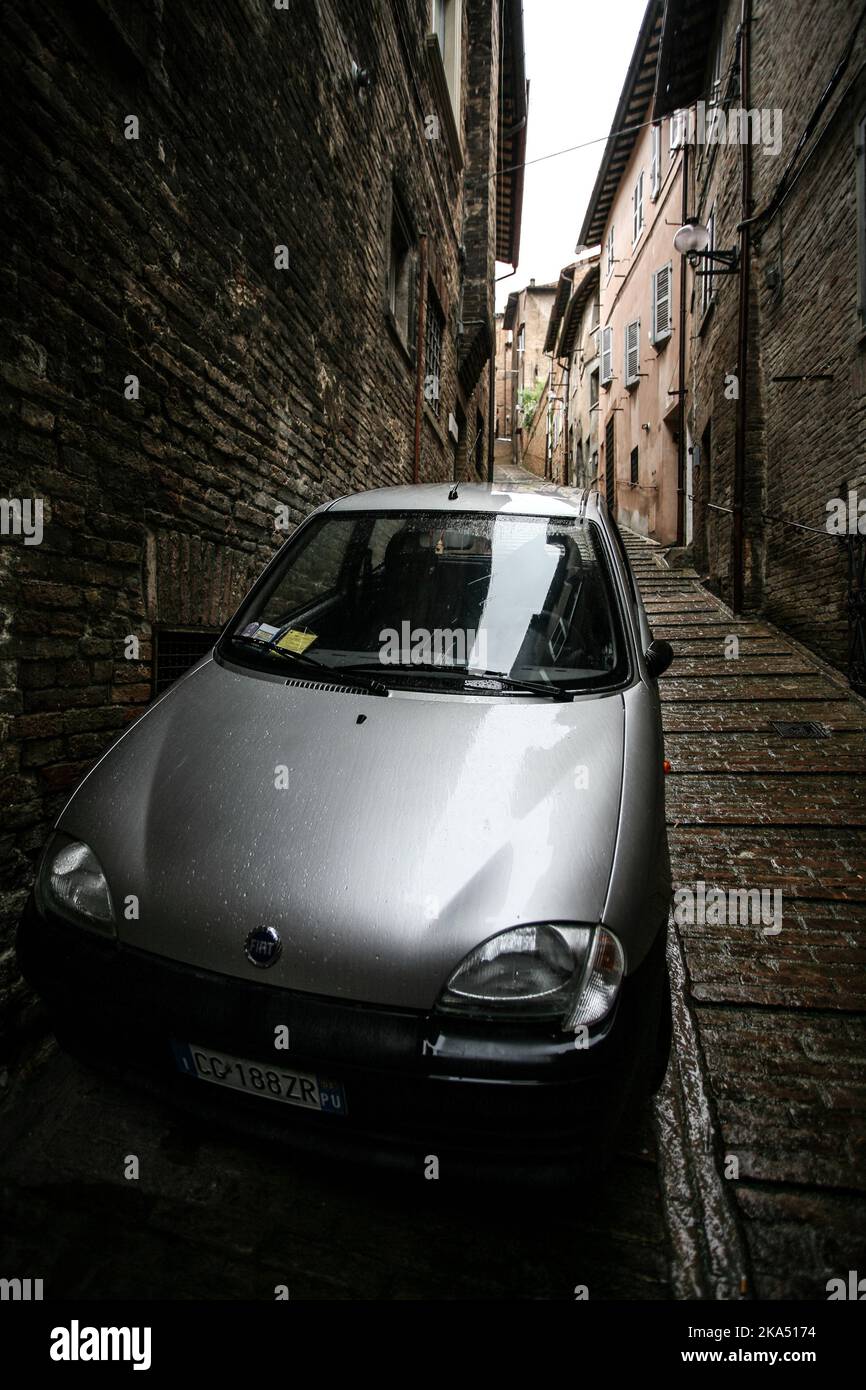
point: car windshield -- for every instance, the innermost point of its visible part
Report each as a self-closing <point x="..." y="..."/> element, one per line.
<point x="441" y="596"/>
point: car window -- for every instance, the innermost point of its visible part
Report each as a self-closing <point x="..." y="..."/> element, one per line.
<point x="315" y="570"/>
<point x="530" y="597"/>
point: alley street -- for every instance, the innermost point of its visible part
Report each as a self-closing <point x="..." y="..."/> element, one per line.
<point x="768" y="1029"/>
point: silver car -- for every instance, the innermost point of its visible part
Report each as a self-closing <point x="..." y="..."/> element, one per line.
<point x="387" y="872"/>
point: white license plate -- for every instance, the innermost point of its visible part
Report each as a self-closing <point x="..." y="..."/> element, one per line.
<point x="261" y="1079"/>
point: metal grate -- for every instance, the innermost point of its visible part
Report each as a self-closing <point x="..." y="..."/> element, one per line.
<point x="315" y="684"/>
<point x="177" y="651"/>
<point x="433" y="354"/>
<point x="806" y="728"/>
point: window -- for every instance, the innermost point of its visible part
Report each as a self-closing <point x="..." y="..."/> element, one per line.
<point x="606" y="356"/>
<point x="637" y="209"/>
<point x="716" y="74"/>
<point x="634" y="466"/>
<point x="433" y="326"/>
<point x="661" y="304"/>
<point x="401" y="267"/>
<point x="439" y="25"/>
<point x="707" y="280"/>
<point x="446" y="23"/>
<point x="655" y="162"/>
<point x="521" y="338"/>
<point x="557" y="425"/>
<point x="861" y="217"/>
<point x="632" y="352"/>
<point x="593" y="390"/>
<point x="608" y="253"/>
<point x="678" y="127"/>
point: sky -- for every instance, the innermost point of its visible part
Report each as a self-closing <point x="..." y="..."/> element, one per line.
<point x="577" y="55"/>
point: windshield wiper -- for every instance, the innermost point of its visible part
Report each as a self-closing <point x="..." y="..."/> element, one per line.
<point x="484" y="678"/>
<point x="340" y="673"/>
<point x="553" y="692"/>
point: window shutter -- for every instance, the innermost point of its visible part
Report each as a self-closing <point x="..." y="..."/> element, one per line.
<point x="662" y="303"/>
<point x="606" y="354"/>
<point x="637" y="208"/>
<point x="632" y="352"/>
<point x="654" y="162"/>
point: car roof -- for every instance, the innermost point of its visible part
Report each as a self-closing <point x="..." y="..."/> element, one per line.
<point x="532" y="499"/>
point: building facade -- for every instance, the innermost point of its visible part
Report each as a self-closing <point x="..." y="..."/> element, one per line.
<point x="777" y="370"/>
<point x="251" y="268"/>
<point x="573" y="341"/>
<point x="506" y="391"/>
<point x="632" y="215"/>
<point x="526" y="317"/>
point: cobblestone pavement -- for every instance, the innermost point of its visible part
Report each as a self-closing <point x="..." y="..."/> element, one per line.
<point x="779" y="1020"/>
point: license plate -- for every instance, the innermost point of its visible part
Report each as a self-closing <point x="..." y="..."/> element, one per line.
<point x="260" y="1079"/>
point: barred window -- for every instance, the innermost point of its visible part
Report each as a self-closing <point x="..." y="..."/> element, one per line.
<point x="433" y="327"/>
<point x="401" y="270"/>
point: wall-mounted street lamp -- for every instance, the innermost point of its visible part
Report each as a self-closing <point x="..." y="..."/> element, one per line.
<point x="692" y="241"/>
<point x="361" y="80"/>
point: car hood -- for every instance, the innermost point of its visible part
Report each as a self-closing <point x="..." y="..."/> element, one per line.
<point x="382" y="838"/>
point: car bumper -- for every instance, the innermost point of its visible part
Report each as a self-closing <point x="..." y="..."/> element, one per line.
<point x="416" y="1084"/>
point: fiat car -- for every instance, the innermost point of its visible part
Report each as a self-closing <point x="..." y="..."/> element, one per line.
<point x="387" y="872"/>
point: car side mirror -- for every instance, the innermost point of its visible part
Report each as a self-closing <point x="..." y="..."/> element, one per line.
<point x="658" y="657"/>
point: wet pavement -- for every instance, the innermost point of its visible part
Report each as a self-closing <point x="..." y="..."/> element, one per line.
<point x="214" y="1216"/>
<point x="779" y="1017"/>
<point x="767" y="1071"/>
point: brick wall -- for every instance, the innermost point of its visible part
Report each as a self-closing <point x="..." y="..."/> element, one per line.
<point x="805" y="438"/>
<point x="258" y="387"/>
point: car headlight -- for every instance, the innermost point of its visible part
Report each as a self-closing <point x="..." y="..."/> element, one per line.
<point x="71" y="882"/>
<point x="547" y="971"/>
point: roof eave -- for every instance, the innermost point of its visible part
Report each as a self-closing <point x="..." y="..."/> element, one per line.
<point x="621" y="145"/>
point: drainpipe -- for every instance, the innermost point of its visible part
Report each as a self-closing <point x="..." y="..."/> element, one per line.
<point x="681" y="405"/>
<point x="491" y="409"/>
<point x="566" y="460"/>
<point x="419" y="355"/>
<point x="743" y="325"/>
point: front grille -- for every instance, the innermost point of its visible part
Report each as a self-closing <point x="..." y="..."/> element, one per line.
<point x="324" y="685"/>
